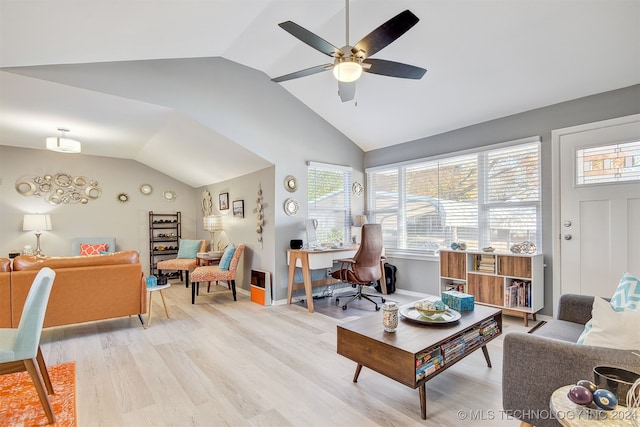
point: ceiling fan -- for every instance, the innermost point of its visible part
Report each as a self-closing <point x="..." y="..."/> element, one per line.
<point x="350" y="61"/>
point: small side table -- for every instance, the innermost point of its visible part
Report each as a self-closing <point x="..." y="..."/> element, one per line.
<point x="208" y="259"/>
<point x="570" y="414"/>
<point x="151" y="290"/>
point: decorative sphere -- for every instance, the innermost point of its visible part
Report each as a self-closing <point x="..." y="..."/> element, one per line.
<point x="604" y="399"/>
<point x="580" y="395"/>
<point x="589" y="385"/>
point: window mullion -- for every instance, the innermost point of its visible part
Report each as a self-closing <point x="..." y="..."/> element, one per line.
<point x="402" y="211"/>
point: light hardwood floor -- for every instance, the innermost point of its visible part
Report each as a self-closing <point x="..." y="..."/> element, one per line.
<point x="226" y="363"/>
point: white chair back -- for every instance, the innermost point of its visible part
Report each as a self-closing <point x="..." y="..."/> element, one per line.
<point x="32" y="318"/>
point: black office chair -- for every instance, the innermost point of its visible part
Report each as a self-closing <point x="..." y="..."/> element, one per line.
<point x="365" y="268"/>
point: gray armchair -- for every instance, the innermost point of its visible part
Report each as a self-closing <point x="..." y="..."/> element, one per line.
<point x="535" y="364"/>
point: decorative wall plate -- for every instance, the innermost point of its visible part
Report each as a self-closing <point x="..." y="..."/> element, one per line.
<point x="291" y="183"/>
<point x="123" y="197"/>
<point x="63" y="179"/>
<point x="357" y="189"/>
<point x="93" y="192"/>
<point x="169" y="196"/>
<point x="146" y="189"/>
<point x="60" y="188"/>
<point x="26" y="188"/>
<point x="291" y="207"/>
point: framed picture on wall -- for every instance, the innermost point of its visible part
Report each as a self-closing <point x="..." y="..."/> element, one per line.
<point x="238" y="208"/>
<point x="223" y="200"/>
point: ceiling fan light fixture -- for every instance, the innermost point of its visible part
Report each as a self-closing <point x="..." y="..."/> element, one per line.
<point x="62" y="144"/>
<point x="347" y="71"/>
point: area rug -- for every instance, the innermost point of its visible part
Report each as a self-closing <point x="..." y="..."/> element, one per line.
<point x="326" y="304"/>
<point x="21" y="407"/>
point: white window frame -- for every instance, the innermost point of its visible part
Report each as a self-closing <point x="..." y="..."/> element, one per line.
<point x="345" y="209"/>
<point x="483" y="207"/>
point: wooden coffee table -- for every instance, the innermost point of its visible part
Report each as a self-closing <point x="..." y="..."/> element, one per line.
<point x="398" y="354"/>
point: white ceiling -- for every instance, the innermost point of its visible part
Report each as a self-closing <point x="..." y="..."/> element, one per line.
<point x="485" y="60"/>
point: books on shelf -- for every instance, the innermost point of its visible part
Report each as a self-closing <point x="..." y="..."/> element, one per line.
<point x="436" y="358"/>
<point x="518" y="294"/>
<point x="428" y="362"/>
<point x="455" y="286"/>
<point x="486" y="263"/>
<point x="489" y="328"/>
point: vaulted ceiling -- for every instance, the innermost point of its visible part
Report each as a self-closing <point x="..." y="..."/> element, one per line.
<point x="485" y="59"/>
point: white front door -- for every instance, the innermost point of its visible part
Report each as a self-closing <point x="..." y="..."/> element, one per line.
<point x="597" y="206"/>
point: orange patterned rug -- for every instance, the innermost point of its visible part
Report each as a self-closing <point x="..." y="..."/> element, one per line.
<point x="20" y="405"/>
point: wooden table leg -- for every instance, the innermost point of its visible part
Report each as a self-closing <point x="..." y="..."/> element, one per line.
<point x="423" y="400"/>
<point x="292" y="271"/>
<point x="486" y="355"/>
<point x="306" y="275"/>
<point x="149" y="316"/>
<point x="165" y="304"/>
<point x="357" y="374"/>
<point x="383" y="279"/>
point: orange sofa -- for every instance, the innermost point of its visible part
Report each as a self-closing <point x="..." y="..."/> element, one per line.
<point x="5" y="293"/>
<point x="86" y="288"/>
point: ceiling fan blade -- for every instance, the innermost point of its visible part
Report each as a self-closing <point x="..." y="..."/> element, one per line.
<point x="311" y="39"/>
<point x="347" y="91"/>
<point x="385" y="34"/>
<point x="393" y="69"/>
<point x="303" y="73"/>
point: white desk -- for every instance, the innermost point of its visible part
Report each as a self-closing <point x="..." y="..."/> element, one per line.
<point x="308" y="260"/>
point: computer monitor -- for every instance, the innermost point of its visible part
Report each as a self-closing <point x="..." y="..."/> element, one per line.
<point x="312" y="240"/>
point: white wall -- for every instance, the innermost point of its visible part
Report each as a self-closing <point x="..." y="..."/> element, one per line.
<point x="105" y="216"/>
<point x="542" y="121"/>
<point x="243" y="230"/>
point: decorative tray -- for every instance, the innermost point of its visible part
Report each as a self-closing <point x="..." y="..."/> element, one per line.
<point x="410" y="313"/>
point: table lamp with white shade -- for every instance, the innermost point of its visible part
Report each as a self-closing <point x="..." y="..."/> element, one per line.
<point x="37" y="223"/>
<point x="213" y="223"/>
<point x="359" y="221"/>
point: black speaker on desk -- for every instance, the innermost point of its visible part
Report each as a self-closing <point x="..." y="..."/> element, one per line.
<point x="296" y="244"/>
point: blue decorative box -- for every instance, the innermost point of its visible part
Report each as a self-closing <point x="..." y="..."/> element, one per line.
<point x="152" y="281"/>
<point x="458" y="301"/>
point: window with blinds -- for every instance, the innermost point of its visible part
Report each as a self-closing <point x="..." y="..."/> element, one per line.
<point x="484" y="198"/>
<point x="330" y="201"/>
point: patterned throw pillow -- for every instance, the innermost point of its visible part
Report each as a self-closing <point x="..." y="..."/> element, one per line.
<point x="96" y="249"/>
<point x="626" y="297"/>
<point x="225" y="261"/>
